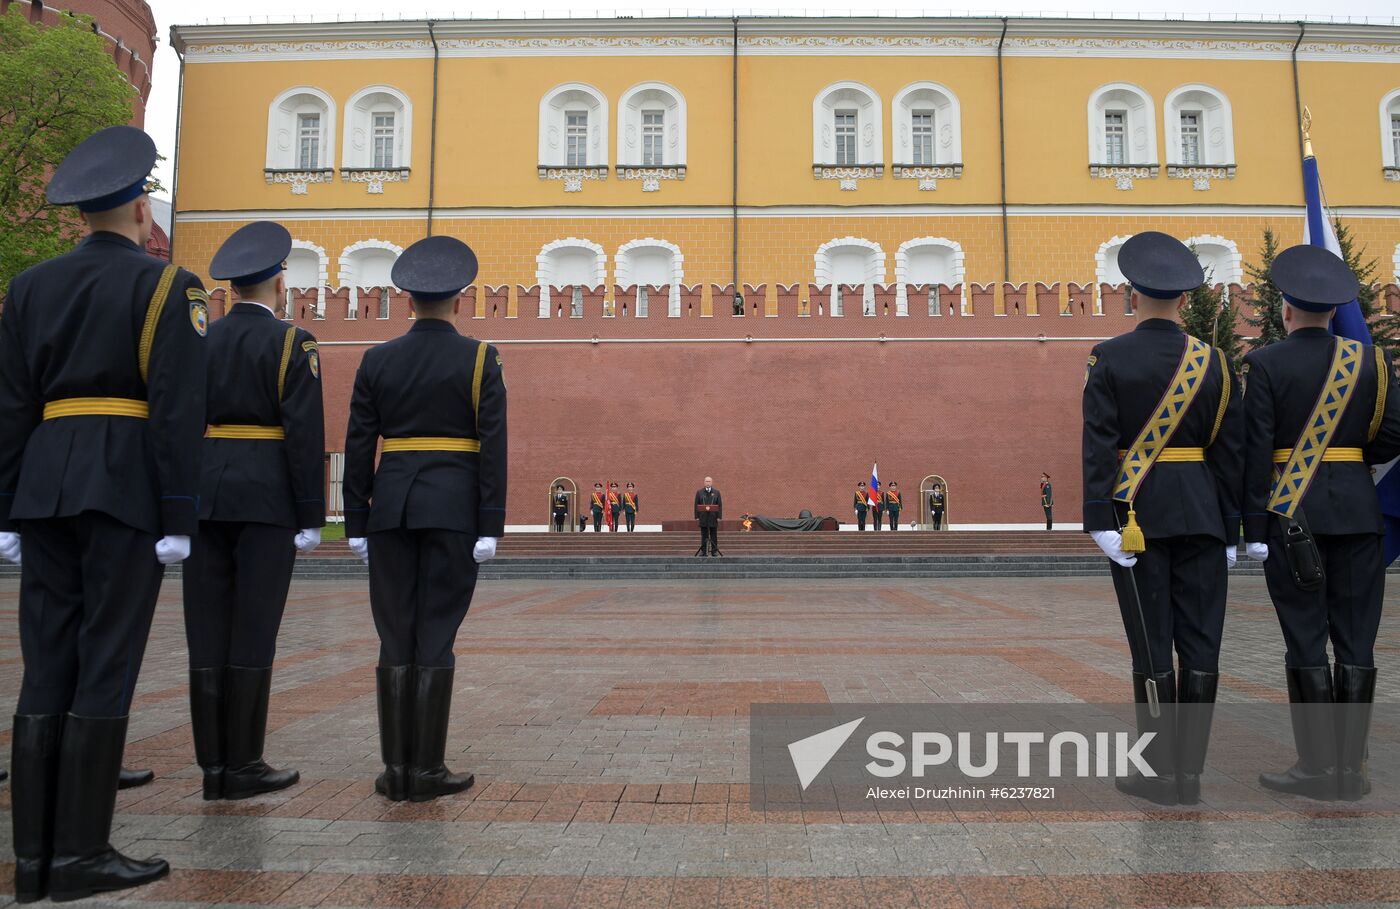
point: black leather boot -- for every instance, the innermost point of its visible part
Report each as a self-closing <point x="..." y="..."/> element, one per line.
<point x="84" y="862"/>
<point x="134" y="779"/>
<point x="1160" y="753"/>
<point x="35" y="744"/>
<point x="1355" y="691"/>
<point x="1195" y="710"/>
<point x="207" y="727"/>
<point x="246" y="693"/>
<point x="394" y="686"/>
<point x="1314" y="774"/>
<point x="432" y="706"/>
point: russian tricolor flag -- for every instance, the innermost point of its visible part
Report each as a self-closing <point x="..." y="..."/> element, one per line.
<point x="873" y="496"/>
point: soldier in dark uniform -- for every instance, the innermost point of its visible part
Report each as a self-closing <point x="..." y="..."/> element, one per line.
<point x="431" y="512"/>
<point x="596" y="505"/>
<point x="709" y="520"/>
<point x="1047" y="501"/>
<point x="559" y="509"/>
<point x="101" y="417"/>
<point x="1163" y="446"/>
<point x="629" y="506"/>
<point x="1336" y="505"/>
<point x="877" y="509"/>
<point x="893" y="504"/>
<point x="614" y="505"/>
<point x="861" y="502"/>
<point x="260" y="500"/>
<point x="937" y="504"/>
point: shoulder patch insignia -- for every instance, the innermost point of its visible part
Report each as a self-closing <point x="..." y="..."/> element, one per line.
<point x="199" y="313"/>
<point x="313" y="358"/>
<point x="498" y="359"/>
<point x="196" y="293"/>
<point x="1093" y="358"/>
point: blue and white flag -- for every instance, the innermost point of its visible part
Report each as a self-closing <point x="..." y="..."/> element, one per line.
<point x="1350" y="322"/>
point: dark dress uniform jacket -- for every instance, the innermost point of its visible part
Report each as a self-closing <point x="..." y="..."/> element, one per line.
<point x="708" y="518"/>
<point x="1282" y="383"/>
<point x="1127" y="378"/>
<point x="259" y="480"/>
<point x="420" y="384"/>
<point x="72" y="328"/>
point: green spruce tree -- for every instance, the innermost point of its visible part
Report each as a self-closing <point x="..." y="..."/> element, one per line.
<point x="1210" y="316"/>
<point x="1384" y="331"/>
<point x="1267" y="317"/>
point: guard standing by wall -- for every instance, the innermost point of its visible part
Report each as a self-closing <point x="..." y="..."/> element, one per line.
<point x="1317" y="518"/>
<point x="596" y="505"/>
<point x="614" y="506"/>
<point x="260" y="500"/>
<point x="101" y="418"/>
<point x="1047" y="501"/>
<point x="629" y="506"/>
<point x="893" y="504"/>
<point x="1163" y="460"/>
<point x="937" y="504"/>
<point x="861" y="503"/>
<point x="432" y="510"/>
<point x="559" y="508"/>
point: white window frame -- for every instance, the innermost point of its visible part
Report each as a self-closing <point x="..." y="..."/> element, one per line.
<point x="870" y="136"/>
<point x="1115" y="137"/>
<point x="553" y="139"/>
<point x="600" y="267"/>
<point x="845" y="127"/>
<point x="622" y="271"/>
<point x="346" y="271"/>
<point x="1390" y="107"/>
<point x="283" y="142"/>
<point x="1140" y="128"/>
<point x="901" y="271"/>
<point x="1217" y="131"/>
<point x="576" y="137"/>
<point x="650" y="96"/>
<point x="875" y="270"/>
<point x="947" y="120"/>
<point x="360" y="111"/>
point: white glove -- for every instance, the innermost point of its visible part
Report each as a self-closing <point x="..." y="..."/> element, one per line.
<point x="360" y="547"/>
<point x="170" y="550"/>
<point x="1232" y="556"/>
<point x="485" y="549"/>
<point x="1256" y="551"/>
<point x="308" y="539"/>
<point x="9" y="547"/>
<point x="1111" y="542"/>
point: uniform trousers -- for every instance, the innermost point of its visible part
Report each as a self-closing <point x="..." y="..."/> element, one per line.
<point x="894" y="518"/>
<point x="860" y="520"/>
<point x="236" y="582"/>
<point x="597" y="520"/>
<point x="559" y="521"/>
<point x="1346" y="609"/>
<point x="1181" y="582"/>
<point x="88" y="590"/>
<point x="420" y="586"/>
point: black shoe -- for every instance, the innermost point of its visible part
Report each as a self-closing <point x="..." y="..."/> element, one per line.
<point x="1355" y="690"/>
<point x="432" y="707"/>
<point x="84" y="862"/>
<point x="207" y="727"/>
<point x="394" y="686"/>
<point x="1314" y="774"/>
<point x="1160" y="753"/>
<point x="1195" y="710"/>
<point x="246" y="693"/>
<point x="4" y="775"/>
<point x="35" y="744"/>
<point x="134" y="779"/>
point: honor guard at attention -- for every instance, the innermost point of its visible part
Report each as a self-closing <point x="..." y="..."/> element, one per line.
<point x="1163" y="461"/>
<point x="629" y="506"/>
<point x="614" y="505"/>
<point x="596" y="506"/>
<point x="559" y="508"/>
<point x="1317" y="518"/>
<point x="260" y="500"/>
<point x="431" y="512"/>
<point x="101" y="418"/>
<point x="860" y="502"/>
<point x="893" y="504"/>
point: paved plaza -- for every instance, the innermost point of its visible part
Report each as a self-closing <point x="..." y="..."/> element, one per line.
<point x="607" y="725"/>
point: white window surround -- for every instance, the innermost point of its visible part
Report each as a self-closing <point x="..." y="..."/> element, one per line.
<point x="1219" y="257"/>
<point x="322" y="272"/>
<point x="870" y="134"/>
<point x="358" y="152"/>
<point x="282" y="127"/>
<point x="1390" y="107"/>
<point x="1396" y="261"/>
<point x="651" y="96"/>
<point x="824" y="271"/>
<point x="623" y="271"/>
<point x="1106" y="269"/>
<point x="903" y="276"/>
<point x="544" y="266"/>
<point x="947" y="139"/>
<point x="351" y="272"/>
<point x="554" y="104"/>
<point x="1140" y="129"/>
<point x="1217" y="124"/>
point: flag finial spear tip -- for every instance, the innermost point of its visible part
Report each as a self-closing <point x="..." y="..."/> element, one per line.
<point x="1307" y="133"/>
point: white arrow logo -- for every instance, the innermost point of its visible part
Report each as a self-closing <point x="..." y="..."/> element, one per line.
<point x="811" y="755"/>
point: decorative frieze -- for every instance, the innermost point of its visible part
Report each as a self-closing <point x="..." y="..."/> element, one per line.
<point x="1123" y="175"/>
<point x="850" y="177"/>
<point x="651" y="177"/>
<point x="1392" y="174"/>
<point x="299" y="180"/>
<point x="1200" y="176"/>
<point x="573" y="177"/>
<point x="374" y="178"/>
<point x="927" y="175"/>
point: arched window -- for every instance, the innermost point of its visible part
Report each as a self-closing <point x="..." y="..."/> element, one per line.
<point x="570" y="262"/>
<point x="1106" y="271"/>
<point x="300" y="124"/>
<point x="306" y="268"/>
<point x="1390" y="135"/>
<point x="847" y="134"/>
<point x="1219" y="258"/>
<point x="651" y="262"/>
<point x="574" y="127"/>
<point x="933" y="261"/>
<point x="1199" y="127"/>
<point x="850" y="260"/>
<point x="378" y="136"/>
<point x="369" y="264"/>
<point x="927" y="126"/>
<point x="651" y="127"/>
<point x="1122" y="134"/>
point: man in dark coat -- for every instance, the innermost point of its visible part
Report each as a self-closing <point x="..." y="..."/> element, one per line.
<point x="709" y="517"/>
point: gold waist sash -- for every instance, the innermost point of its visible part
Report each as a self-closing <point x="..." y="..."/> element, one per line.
<point x="1180" y="455"/>
<point x="1330" y="454"/>
<point x="236" y="431"/>
<point x="96" y="407"/>
<point x="432" y="443"/>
